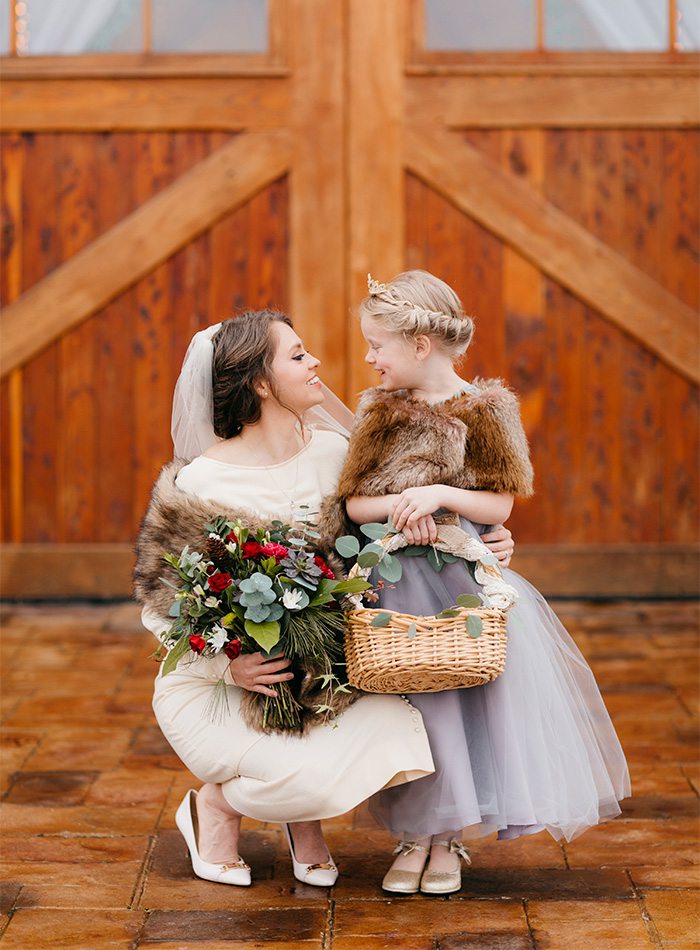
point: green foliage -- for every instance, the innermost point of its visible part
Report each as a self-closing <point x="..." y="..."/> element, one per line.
<point x="266" y="634"/>
<point x="475" y="626"/>
<point x="411" y="632"/>
<point x="347" y="546"/>
<point x="390" y="568"/>
<point x="181" y="647"/>
<point x="382" y="619"/>
<point x="469" y="600"/>
<point x="374" y="530"/>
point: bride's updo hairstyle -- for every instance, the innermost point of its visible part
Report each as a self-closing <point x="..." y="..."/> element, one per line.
<point x="244" y="349"/>
<point x="417" y="303"/>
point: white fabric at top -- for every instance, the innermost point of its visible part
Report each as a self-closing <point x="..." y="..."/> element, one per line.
<point x="271" y="491"/>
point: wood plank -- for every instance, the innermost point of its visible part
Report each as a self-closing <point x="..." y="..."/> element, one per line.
<point x="317" y="184"/>
<point x="142" y="104"/>
<point x="12" y="165"/>
<point x="550" y="63"/>
<point x="376" y="53"/>
<point x="527" y="101"/>
<point x="558" y="245"/>
<point x="522" y="152"/>
<point x="40" y="393"/>
<point x="114" y="355"/>
<point x="75" y="458"/>
<point x="135" y="246"/>
<point x="103" y="571"/>
<point x="144" y="65"/>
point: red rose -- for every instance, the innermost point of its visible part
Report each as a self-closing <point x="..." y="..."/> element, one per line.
<point x="231" y="536"/>
<point x="277" y="551"/>
<point x="197" y="643"/>
<point x="251" y="549"/>
<point x="232" y="649"/>
<point x="218" y="582"/>
<point x="325" y="569"/>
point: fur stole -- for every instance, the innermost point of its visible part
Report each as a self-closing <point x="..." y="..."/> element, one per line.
<point x="474" y="440"/>
<point x="175" y="518"/>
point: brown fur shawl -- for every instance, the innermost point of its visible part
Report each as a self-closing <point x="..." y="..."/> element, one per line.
<point x="175" y="518"/>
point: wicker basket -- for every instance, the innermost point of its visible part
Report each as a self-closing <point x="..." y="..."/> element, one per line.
<point x="428" y="654"/>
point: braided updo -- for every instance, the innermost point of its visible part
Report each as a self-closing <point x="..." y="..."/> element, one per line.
<point x="416" y="303"/>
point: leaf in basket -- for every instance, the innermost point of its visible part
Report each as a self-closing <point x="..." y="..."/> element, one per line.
<point x="347" y="546"/>
<point x="374" y="530"/>
<point x="448" y="612"/>
<point x="411" y="632"/>
<point x="390" y="568"/>
<point x="474" y="626"/>
<point x="449" y="558"/>
<point x="469" y="600"/>
<point x="382" y="619"/>
<point x="434" y="560"/>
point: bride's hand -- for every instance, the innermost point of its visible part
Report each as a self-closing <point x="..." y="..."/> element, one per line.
<point x="501" y="543"/>
<point x="254" y="672"/>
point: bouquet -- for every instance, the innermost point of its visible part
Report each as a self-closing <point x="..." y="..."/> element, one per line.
<point x="271" y="591"/>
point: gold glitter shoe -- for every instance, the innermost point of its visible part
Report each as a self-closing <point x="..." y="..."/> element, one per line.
<point x="445" y="882"/>
<point x="405" y="882"/>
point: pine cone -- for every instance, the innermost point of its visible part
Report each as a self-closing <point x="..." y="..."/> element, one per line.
<point x="215" y="551"/>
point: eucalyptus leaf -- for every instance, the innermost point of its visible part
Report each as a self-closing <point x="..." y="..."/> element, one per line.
<point x="474" y="626"/>
<point x="449" y="558"/>
<point x="175" y="609"/>
<point x="266" y="635"/>
<point x="448" y="612"/>
<point x="390" y="568"/>
<point x="469" y="600"/>
<point x="368" y="559"/>
<point x="411" y="632"/>
<point x="374" y="530"/>
<point x="382" y="619"/>
<point x="415" y="550"/>
<point x="434" y="560"/>
<point x="347" y="546"/>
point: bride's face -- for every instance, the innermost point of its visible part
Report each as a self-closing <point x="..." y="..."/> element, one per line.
<point x="294" y="371"/>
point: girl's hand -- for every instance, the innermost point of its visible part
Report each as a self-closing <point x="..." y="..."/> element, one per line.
<point x="254" y="672"/>
<point x="423" y="531"/>
<point x="414" y="504"/>
<point x="500" y="542"/>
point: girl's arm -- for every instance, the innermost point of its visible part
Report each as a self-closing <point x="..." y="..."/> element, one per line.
<point x="482" y="507"/>
<point x="408" y="507"/>
<point x="364" y="508"/>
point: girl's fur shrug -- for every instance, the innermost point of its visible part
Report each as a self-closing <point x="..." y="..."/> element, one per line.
<point x="175" y="518"/>
<point x="474" y="440"/>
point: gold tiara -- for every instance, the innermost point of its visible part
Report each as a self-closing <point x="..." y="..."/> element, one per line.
<point x="374" y="286"/>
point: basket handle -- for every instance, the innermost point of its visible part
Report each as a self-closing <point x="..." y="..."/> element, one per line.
<point x="452" y="539"/>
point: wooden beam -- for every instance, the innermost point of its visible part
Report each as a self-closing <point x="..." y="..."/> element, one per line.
<point x="143" y="65"/>
<point x="565" y="102"/>
<point x="377" y="51"/>
<point x="557" y="244"/>
<point x="103" y="571"/>
<point x="317" y="183"/>
<point x="100" y="105"/>
<point x="140" y="242"/>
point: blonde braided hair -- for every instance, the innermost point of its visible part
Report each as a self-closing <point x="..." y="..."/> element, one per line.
<point x="416" y="303"/>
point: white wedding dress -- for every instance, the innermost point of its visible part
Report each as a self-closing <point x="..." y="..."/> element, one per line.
<point x="379" y="742"/>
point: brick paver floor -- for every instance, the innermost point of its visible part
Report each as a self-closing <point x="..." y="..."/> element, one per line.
<point x="91" y="857"/>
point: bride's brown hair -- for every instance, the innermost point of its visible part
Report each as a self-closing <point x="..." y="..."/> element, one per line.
<point x="244" y="349"/>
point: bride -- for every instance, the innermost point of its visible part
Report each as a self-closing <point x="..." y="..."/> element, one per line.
<point x="247" y="415"/>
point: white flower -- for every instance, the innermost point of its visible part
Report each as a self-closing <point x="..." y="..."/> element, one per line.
<point x="198" y="590"/>
<point x="211" y="602"/>
<point x="231" y="547"/>
<point x="214" y="536"/>
<point x="292" y="599"/>
<point x="218" y="638"/>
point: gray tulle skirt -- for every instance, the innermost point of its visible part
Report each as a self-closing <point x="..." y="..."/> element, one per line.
<point x="535" y="749"/>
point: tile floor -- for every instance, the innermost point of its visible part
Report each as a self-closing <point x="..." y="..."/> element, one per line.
<point x="91" y="858"/>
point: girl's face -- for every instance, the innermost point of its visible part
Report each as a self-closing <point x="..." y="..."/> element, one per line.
<point x="294" y="371"/>
<point x="393" y="357"/>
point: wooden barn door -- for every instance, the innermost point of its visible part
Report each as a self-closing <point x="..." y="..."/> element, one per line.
<point x="147" y="196"/>
<point x="559" y="196"/>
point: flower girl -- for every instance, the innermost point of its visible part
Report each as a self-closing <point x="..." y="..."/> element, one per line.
<point x="534" y="749"/>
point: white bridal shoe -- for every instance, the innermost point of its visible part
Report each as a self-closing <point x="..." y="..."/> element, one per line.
<point x="321" y="875"/>
<point x="237" y="872"/>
